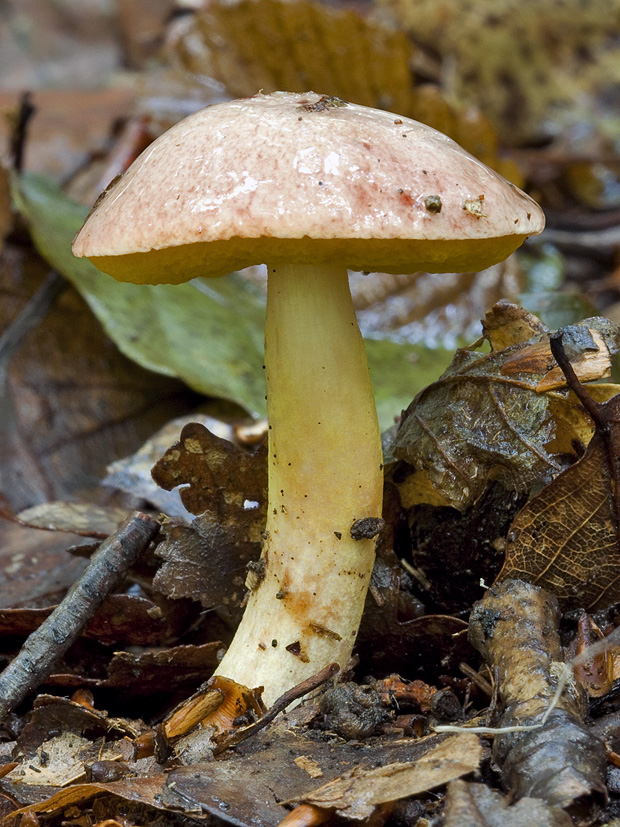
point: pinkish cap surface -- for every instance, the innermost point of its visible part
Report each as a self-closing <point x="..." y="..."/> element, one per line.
<point x="297" y="176"/>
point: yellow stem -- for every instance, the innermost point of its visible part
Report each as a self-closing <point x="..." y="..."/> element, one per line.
<point x="324" y="475"/>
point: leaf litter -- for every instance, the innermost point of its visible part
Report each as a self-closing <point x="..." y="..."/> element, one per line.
<point x="397" y="599"/>
<point x="566" y="538"/>
<point x="198" y="453"/>
<point x="227" y="488"/>
<point x="487" y="417"/>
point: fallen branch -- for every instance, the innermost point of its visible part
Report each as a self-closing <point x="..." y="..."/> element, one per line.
<point x="50" y="641"/>
<point x="541" y="744"/>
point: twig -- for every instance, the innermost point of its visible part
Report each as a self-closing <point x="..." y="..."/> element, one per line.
<point x="31" y="316"/>
<point x="283" y="701"/>
<point x="604" y="417"/>
<point x="593" y="408"/>
<point x="50" y="641"/>
<point x="19" y="133"/>
<point x="476" y="678"/>
<point x="599" y="242"/>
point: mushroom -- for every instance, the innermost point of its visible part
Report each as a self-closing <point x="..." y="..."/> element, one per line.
<point x="310" y="186"/>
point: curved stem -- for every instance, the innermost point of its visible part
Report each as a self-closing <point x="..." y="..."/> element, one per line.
<point x="324" y="474"/>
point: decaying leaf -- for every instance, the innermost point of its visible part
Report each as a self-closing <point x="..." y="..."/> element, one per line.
<point x="571" y="426"/>
<point x="36" y="568"/>
<point x="84" y="519"/>
<point x="51" y="714"/>
<point x="122" y="619"/>
<point x="61" y="418"/>
<point x="437" y="310"/>
<point x="356" y="794"/>
<point x="594" y="669"/>
<point x="226" y="486"/>
<point x="148" y="790"/>
<point x="60" y="742"/>
<point x="245" y="789"/>
<point x="216" y="476"/>
<point x="60" y="761"/>
<point x="270" y="45"/>
<point x="515" y="627"/>
<point x="154" y="670"/>
<point x="133" y="473"/>
<point x="566" y="539"/>
<point x="526" y="63"/>
<point x="487" y="417"/>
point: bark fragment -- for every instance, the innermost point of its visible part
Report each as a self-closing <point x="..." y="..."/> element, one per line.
<point x="515" y="628"/>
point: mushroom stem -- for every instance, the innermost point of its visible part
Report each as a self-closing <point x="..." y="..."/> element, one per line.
<point x="324" y="475"/>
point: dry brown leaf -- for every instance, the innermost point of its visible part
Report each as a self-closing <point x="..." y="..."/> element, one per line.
<point x="59" y="761"/>
<point x="566" y="538"/>
<point x="487" y="417"/>
<point x="69" y="124"/>
<point x="147" y="790"/>
<point x="304" y="762"/>
<point x="227" y="487"/>
<point x="132" y="474"/>
<point x="122" y="620"/>
<point x="218" y="477"/>
<point x="509" y="324"/>
<point x="593" y="669"/>
<point x="36" y="567"/>
<point x="153" y="671"/>
<point x="356" y="794"/>
<point x="300" y="45"/>
<point x="84" y="519"/>
<point x="72" y="401"/>
<point x="40" y="45"/>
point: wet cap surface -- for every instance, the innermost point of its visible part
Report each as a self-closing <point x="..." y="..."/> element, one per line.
<point x="302" y="177"/>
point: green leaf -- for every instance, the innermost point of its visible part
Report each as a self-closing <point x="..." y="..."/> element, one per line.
<point x="208" y="332"/>
<point x="399" y="371"/>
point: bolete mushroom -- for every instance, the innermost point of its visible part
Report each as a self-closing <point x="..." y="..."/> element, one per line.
<point x="310" y="186"/>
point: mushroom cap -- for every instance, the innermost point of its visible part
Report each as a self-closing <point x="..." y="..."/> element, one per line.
<point x="300" y="177"/>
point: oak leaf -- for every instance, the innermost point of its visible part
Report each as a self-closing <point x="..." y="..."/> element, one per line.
<point x="226" y="487"/>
